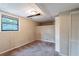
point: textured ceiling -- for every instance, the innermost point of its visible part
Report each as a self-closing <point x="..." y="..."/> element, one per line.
<point x="47" y="10"/>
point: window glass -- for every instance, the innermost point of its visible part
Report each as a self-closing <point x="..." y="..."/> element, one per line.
<point x="9" y="23"/>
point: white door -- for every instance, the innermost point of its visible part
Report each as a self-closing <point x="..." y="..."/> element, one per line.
<point x="74" y="41"/>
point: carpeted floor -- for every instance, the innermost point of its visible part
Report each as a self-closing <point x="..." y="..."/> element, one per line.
<point x="36" y="48"/>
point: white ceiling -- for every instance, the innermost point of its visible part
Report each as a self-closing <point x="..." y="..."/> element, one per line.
<point x="55" y="8"/>
<point x="21" y="9"/>
<point x="47" y="10"/>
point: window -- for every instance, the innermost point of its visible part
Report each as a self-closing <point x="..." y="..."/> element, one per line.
<point x="9" y="23"/>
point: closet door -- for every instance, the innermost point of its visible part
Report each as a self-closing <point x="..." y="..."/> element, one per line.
<point x="74" y="41"/>
<point x="64" y="33"/>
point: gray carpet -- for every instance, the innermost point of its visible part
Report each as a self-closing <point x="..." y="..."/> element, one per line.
<point x="38" y="48"/>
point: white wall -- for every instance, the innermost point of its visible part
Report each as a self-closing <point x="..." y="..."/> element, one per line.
<point x="46" y="33"/>
<point x="12" y="39"/>
<point x="63" y="30"/>
<point x="68" y="33"/>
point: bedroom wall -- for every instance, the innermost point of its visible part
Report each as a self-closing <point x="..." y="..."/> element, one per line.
<point x="46" y="33"/>
<point x="12" y="39"/>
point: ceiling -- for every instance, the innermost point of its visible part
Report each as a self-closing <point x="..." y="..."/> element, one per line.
<point x="48" y="10"/>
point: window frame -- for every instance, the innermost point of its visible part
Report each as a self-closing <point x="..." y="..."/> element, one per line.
<point x="9" y="17"/>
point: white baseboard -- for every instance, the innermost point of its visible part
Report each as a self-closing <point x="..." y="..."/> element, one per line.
<point x="62" y="54"/>
<point x="22" y="45"/>
<point x="14" y="48"/>
<point x="48" y="41"/>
